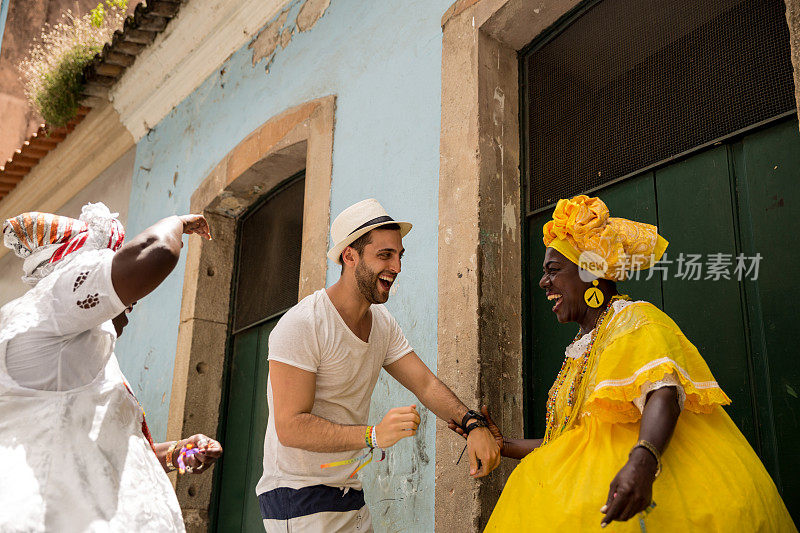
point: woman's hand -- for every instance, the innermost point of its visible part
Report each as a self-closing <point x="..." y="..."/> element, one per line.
<point x="196" y="224"/>
<point x="631" y="490"/>
<point x="209" y="451"/>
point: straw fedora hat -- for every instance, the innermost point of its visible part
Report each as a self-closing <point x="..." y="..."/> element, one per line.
<point x="357" y="220"/>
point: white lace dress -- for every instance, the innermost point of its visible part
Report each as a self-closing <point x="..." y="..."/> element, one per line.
<point x="72" y="453"/>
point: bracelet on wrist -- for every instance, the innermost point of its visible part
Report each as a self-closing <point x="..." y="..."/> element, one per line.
<point x="652" y="449"/>
<point x="168" y="456"/>
<point x="473" y="425"/>
<point x="375" y="437"/>
<point x="368" y="437"/>
<point x="469" y="415"/>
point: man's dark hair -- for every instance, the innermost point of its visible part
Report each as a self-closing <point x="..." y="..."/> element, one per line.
<point x="359" y="244"/>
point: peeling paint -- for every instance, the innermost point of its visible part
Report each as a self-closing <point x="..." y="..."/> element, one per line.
<point x="310" y="13"/>
<point x="499" y="109"/>
<point x="286" y="36"/>
<point x="510" y="219"/>
<point x="231" y="206"/>
<point x="264" y="45"/>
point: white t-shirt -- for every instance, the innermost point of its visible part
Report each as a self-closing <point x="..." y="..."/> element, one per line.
<point x="314" y="337"/>
<point x="72" y="453"/>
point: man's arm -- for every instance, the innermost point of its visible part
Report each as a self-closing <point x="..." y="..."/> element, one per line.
<point x="414" y="375"/>
<point x="293" y="393"/>
<point x="513" y="448"/>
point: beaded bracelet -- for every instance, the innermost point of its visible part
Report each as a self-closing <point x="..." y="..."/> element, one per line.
<point x="367" y="437"/>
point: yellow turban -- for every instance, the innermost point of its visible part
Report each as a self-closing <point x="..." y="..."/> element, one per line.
<point x="610" y="248"/>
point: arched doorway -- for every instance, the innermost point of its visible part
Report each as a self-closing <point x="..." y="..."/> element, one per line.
<point x="265" y="285"/>
<point x="287" y="156"/>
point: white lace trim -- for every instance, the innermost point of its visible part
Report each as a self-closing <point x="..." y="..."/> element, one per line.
<point x="652" y="364"/>
<point x="670" y="380"/>
<point x="578" y="347"/>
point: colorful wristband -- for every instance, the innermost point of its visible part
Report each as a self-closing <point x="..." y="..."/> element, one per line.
<point x="367" y="437"/>
<point x="375" y="437"/>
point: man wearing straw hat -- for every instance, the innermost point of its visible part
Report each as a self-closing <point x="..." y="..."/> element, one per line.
<point x="325" y="356"/>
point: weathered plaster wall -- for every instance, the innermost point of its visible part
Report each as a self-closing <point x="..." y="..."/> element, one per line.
<point x="793" y="20"/>
<point x="3" y="14"/>
<point x="112" y="187"/>
<point x="382" y="61"/>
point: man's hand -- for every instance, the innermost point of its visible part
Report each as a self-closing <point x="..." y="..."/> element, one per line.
<point x="495" y="431"/>
<point x="482" y="446"/>
<point x="399" y="423"/>
<point x="196" y="224"/>
<point x="631" y="490"/>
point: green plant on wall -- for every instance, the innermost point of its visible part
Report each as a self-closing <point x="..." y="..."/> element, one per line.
<point x="53" y="69"/>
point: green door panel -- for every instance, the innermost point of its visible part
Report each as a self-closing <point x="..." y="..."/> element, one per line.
<point x="256" y="430"/>
<point x="233" y="464"/>
<point x="769" y="172"/>
<point x="245" y="425"/>
<point x="695" y="211"/>
<point x="547" y="337"/>
<point x="740" y="197"/>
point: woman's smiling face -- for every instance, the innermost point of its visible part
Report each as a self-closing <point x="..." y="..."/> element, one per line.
<point x="563" y="287"/>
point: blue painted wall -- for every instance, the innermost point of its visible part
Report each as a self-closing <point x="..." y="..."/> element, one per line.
<point x="3" y="14"/>
<point x="383" y="62"/>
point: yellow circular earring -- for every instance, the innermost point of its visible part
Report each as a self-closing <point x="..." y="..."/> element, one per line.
<point x="593" y="296"/>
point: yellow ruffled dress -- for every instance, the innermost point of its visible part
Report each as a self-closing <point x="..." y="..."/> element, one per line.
<point x="711" y="478"/>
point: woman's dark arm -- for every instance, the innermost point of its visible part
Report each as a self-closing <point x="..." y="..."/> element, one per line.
<point x="519" y="448"/>
<point x="631" y="491"/>
<point x="143" y="263"/>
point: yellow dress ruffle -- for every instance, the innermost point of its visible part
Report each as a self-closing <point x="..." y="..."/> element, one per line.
<point x="712" y="480"/>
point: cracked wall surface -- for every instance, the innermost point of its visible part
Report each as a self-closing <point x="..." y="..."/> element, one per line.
<point x="278" y="32"/>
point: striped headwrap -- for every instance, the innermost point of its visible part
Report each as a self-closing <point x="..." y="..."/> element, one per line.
<point x="44" y="239"/>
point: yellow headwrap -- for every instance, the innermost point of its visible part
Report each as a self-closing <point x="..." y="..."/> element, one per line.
<point x="610" y="248"/>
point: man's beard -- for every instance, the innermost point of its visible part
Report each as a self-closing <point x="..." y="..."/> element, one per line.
<point x="367" y="282"/>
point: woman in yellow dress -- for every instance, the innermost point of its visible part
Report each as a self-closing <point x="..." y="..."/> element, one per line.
<point x="635" y="424"/>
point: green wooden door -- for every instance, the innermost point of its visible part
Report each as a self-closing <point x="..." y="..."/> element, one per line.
<point x="738" y="197"/>
<point x="246" y="423"/>
<point x="266" y="284"/>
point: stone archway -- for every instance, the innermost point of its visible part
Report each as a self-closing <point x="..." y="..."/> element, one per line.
<point x="300" y="138"/>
